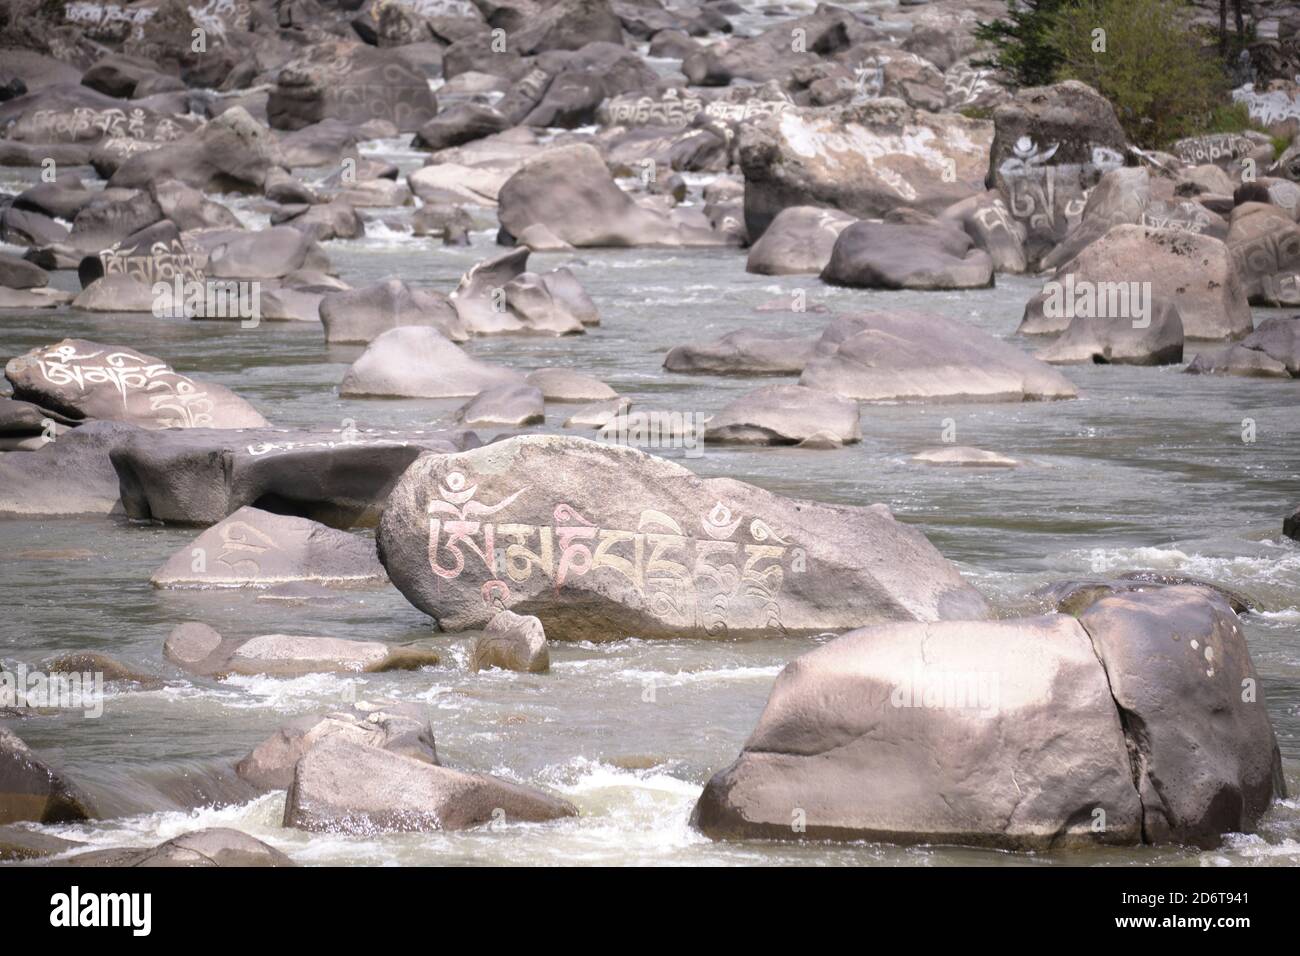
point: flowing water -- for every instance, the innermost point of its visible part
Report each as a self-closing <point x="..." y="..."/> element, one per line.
<point x="1147" y="469"/>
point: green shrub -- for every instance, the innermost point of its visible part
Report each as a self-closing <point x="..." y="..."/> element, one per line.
<point x="1023" y="49"/>
<point x="1154" y="69"/>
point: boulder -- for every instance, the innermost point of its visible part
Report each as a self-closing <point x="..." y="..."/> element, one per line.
<point x="211" y="847"/>
<point x="1291" y="525"/>
<point x="448" y="182"/>
<point x="785" y="415"/>
<point x="31" y="790"/>
<point x="508" y="405"/>
<point x="1236" y="360"/>
<point x="419" y="362"/>
<point x="18" y="273"/>
<point x="201" y="650"/>
<point x="401" y="728"/>
<point x="362" y="315"/>
<point x="570" y="191"/>
<point x="232" y="152"/>
<point x="799" y="241"/>
<point x="1065" y="124"/>
<point x="115" y="293"/>
<point x="1139" y="722"/>
<point x="512" y="642"/>
<point x="864" y="160"/>
<point x="199" y="476"/>
<point x="87" y="380"/>
<point x="900" y="357"/>
<point x="998" y="734"/>
<point x="353" y="83"/>
<point x="618" y="551"/>
<point x="566" y="385"/>
<point x="1154" y="339"/>
<point x="991" y="227"/>
<point x="343" y="787"/>
<point x="1204" y="755"/>
<point x="1264" y="242"/>
<point x="71" y="475"/>
<point x="447" y="222"/>
<point x="1195" y="272"/>
<point x="258" y="549"/>
<point x="1120" y="197"/>
<point x="888" y="255"/>
<point x="744" y="352"/>
<point x="271" y="253"/>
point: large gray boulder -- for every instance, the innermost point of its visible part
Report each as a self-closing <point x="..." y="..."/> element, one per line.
<point x="785" y="415"/>
<point x="1264" y="241"/>
<point x="345" y="787"/>
<point x="354" y="83"/>
<point x="400" y="728"/>
<point x="890" y="255"/>
<point x="1066" y="124"/>
<point x="419" y="362"/>
<point x="31" y="790"/>
<point x="1155" y="339"/>
<point x="258" y="549"/>
<point x="570" y="191"/>
<point x="901" y="357"/>
<point x="89" y="380"/>
<point x="1140" y="722"/>
<point x="232" y="152"/>
<point x="1051" y="146"/>
<point x="999" y="733"/>
<point x="1195" y="272"/>
<point x="865" y="160"/>
<point x="359" y="316"/>
<point x="71" y="475"/>
<point x="798" y="241"/>
<point x="199" y="476"/>
<point x="600" y="542"/>
<point x="1120" y="197"/>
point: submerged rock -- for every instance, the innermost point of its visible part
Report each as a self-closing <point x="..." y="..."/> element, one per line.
<point x="201" y="650"/>
<point x="964" y="455"/>
<point x="600" y="542"/>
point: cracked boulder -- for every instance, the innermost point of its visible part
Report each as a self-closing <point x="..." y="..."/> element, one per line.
<point x="1139" y="722"/>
